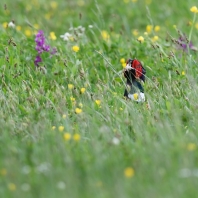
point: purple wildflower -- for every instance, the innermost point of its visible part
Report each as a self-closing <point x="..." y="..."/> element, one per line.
<point x="37" y="60"/>
<point x="184" y="43"/>
<point x="40" y="43"/>
<point x="54" y="50"/>
<point x="46" y="48"/>
<point x="41" y="47"/>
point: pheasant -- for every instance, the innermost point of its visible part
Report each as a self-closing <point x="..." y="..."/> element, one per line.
<point x="134" y="73"/>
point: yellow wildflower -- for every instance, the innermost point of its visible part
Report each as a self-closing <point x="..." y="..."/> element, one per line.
<point x="183" y="73"/>
<point x="61" y="128"/>
<point x="122" y="60"/>
<point x="80" y="105"/>
<point x="3" y="171"/>
<point x="135" y="32"/>
<point x="194" y="9"/>
<point x="82" y="90"/>
<point x="81" y="3"/>
<point x="126" y="1"/>
<point x="47" y="16"/>
<point x="5" y="25"/>
<point x="157" y="28"/>
<point x="75" y="48"/>
<point x="7" y="12"/>
<point x="72" y="99"/>
<point x="196" y="25"/>
<point x="78" y="110"/>
<point x="18" y="28"/>
<point x="191" y="147"/>
<point x="53" y="127"/>
<point x="149" y="28"/>
<point x="140" y="39"/>
<point x="99" y="184"/>
<point x="70" y="86"/>
<point x="135" y="95"/>
<point x="53" y="4"/>
<point x="52" y="36"/>
<point x="67" y="136"/>
<point x="105" y="35"/>
<point x="11" y="186"/>
<point x="28" y="7"/>
<point x="76" y="137"/>
<point x="121" y="109"/>
<point x="190" y="23"/>
<point x="174" y="26"/>
<point x="36" y="26"/>
<point x="129" y="172"/>
<point x="64" y="116"/>
<point x="148" y="2"/>
<point x="98" y="102"/>
<point x="155" y="38"/>
<point x="123" y="65"/>
<point x="28" y="32"/>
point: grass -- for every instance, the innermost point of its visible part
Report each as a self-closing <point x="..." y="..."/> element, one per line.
<point x="56" y="141"/>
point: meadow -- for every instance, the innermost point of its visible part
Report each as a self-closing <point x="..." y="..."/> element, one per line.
<point x="65" y="128"/>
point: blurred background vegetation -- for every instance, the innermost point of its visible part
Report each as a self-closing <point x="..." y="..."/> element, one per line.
<point x="56" y="141"/>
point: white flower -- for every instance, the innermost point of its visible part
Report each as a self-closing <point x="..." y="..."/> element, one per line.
<point x="80" y="34"/>
<point x="115" y="141"/>
<point x="81" y="28"/>
<point x="90" y="26"/>
<point x="186" y="172"/>
<point x="25" y="187"/>
<point x="11" y="24"/>
<point x="26" y="170"/>
<point x="43" y="168"/>
<point x="61" y="185"/>
<point x="66" y="36"/>
<point x="138" y="97"/>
